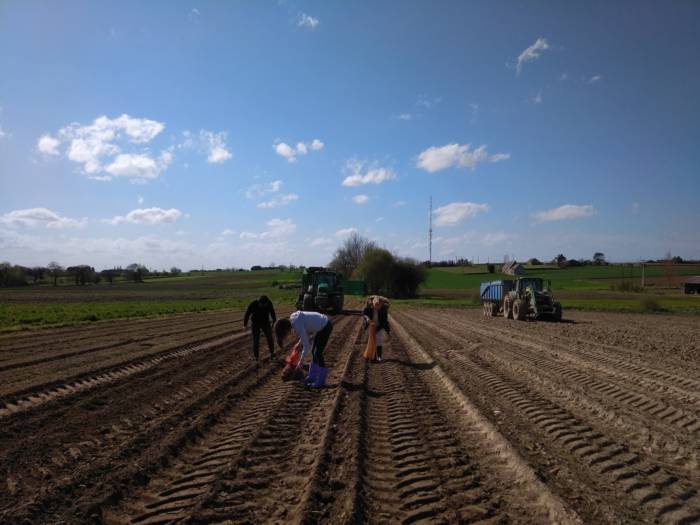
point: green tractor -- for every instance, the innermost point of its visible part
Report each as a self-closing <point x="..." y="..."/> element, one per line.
<point x="321" y="290"/>
<point x="530" y="298"/>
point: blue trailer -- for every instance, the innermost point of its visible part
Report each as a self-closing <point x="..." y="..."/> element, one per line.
<point x="492" y="294"/>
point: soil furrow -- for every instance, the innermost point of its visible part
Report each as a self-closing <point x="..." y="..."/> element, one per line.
<point x="249" y="433"/>
<point x="42" y="394"/>
<point x="628" y="478"/>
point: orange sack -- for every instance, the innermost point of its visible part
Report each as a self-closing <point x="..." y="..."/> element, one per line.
<point x="291" y="372"/>
<point x="371" y="341"/>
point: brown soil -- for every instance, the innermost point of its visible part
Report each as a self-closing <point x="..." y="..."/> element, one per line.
<point x="467" y="419"/>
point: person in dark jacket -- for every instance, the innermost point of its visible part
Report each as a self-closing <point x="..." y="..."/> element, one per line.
<point x="377" y="310"/>
<point x="263" y="314"/>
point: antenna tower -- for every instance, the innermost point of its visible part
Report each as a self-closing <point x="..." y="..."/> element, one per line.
<point x="430" y="233"/>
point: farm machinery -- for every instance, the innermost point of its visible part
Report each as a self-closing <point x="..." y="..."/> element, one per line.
<point x="324" y="290"/>
<point x="519" y="299"/>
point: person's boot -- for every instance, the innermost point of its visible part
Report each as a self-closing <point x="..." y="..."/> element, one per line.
<point x="320" y="377"/>
<point x="313" y="372"/>
<point x="379" y="353"/>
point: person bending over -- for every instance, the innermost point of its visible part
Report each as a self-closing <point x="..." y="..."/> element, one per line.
<point x="262" y="313"/>
<point x="313" y="330"/>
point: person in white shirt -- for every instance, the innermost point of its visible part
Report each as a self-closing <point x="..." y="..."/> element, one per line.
<point x="313" y="330"/>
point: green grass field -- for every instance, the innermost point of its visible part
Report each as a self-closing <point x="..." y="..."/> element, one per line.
<point x="46" y="305"/>
<point x="584" y="288"/>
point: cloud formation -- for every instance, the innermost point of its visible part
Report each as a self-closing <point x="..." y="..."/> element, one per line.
<point x="455" y="155"/>
<point x="147" y="216"/>
<point x="100" y="147"/>
<point x="308" y="21"/>
<point x="360" y="173"/>
<point x="360" y="199"/>
<point x="279" y="201"/>
<point x="531" y="53"/>
<point x="276" y="228"/>
<point x="595" y="78"/>
<point x="214" y="145"/>
<point x="344" y="232"/>
<point x="565" y="212"/>
<point x="259" y="190"/>
<point x="40" y="217"/>
<point x="455" y="212"/>
<point x="292" y="152"/>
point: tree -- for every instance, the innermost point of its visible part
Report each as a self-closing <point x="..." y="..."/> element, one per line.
<point x="347" y="258"/>
<point x="598" y="258"/>
<point x="407" y="276"/>
<point x="490" y="268"/>
<point x="175" y="271"/>
<point x="534" y="262"/>
<point x="55" y="271"/>
<point x="560" y="260"/>
<point x="376" y="269"/>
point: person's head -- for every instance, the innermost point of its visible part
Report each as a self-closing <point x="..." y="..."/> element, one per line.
<point x="376" y="303"/>
<point x="282" y="329"/>
<point x="264" y="300"/>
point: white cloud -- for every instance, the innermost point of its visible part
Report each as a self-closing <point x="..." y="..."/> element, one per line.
<point x="292" y="152"/>
<point x="215" y="146"/>
<point x="308" y="21"/>
<point x="373" y="174"/>
<point x="276" y="228"/>
<point x="259" y="190"/>
<point x="227" y="232"/>
<point x="405" y="116"/>
<point x="455" y="212"/>
<point x="531" y="53"/>
<point x="138" y="167"/>
<point x="140" y="199"/>
<point x="99" y="146"/>
<point x="635" y="207"/>
<point x="399" y="204"/>
<point x="40" y="217"/>
<point x="428" y="102"/>
<point x="48" y="145"/>
<point x="3" y="133"/>
<point x="320" y="241"/>
<point x="360" y="199"/>
<point x="280" y="200"/>
<point x="195" y="11"/>
<point x="537" y="99"/>
<point x="344" y="232"/>
<point x="462" y="156"/>
<point x="595" y="78"/>
<point x="147" y="216"/>
<point x="475" y="112"/>
<point x="564" y="76"/>
<point x="565" y="212"/>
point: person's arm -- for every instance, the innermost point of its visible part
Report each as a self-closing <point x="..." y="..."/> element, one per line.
<point x="247" y="314"/>
<point x="272" y="313"/>
<point x="300" y="329"/>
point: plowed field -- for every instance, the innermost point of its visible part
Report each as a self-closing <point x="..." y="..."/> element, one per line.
<point x="467" y="419"/>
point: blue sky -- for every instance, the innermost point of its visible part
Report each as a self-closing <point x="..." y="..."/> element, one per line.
<point x="226" y="134"/>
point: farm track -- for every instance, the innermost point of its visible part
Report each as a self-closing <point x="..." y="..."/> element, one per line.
<point x="599" y="462"/>
<point x="466" y="420"/>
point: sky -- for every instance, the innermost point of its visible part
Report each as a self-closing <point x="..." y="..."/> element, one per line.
<point x="227" y="134"/>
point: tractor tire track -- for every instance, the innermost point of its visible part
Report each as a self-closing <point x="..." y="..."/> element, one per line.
<point x="41" y="394"/>
<point x="247" y="437"/>
<point x="620" y="476"/>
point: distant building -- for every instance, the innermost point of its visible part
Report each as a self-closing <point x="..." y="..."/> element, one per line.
<point x="513" y="268"/>
<point x="692" y="285"/>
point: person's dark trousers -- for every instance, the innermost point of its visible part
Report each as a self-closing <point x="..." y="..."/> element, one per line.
<point x="320" y="342"/>
<point x="379" y="351"/>
<point x="267" y="330"/>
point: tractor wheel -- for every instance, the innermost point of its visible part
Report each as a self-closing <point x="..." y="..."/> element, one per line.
<point x="308" y="304"/>
<point x="507" y="310"/>
<point x="519" y="310"/>
<point x="556" y="316"/>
